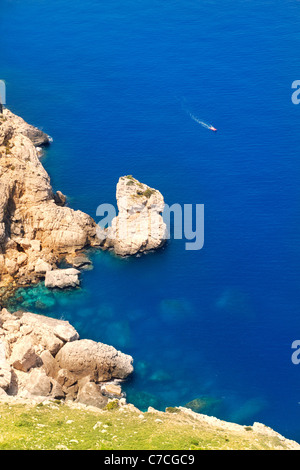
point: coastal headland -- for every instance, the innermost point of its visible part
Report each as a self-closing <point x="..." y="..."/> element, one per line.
<point x="43" y="360"/>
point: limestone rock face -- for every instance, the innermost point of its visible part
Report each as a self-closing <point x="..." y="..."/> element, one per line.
<point x="44" y="357"/>
<point x="41" y="266"/>
<point x="139" y="226"/>
<point x="16" y="123"/>
<point x="35" y="225"/>
<point x="23" y="355"/>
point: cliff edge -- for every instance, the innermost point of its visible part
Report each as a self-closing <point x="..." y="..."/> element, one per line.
<point x="35" y="225"/>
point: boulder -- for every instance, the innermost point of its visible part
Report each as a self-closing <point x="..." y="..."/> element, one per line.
<point x="48" y="333"/>
<point x="62" y="278"/>
<point x="41" y="266"/>
<point x="97" y="360"/>
<point x="57" y="390"/>
<point x="38" y="384"/>
<point x="68" y="383"/>
<point x="23" y="356"/>
<point x="112" y="390"/>
<point x="50" y="365"/>
<point x="91" y="395"/>
<point x="44" y="357"/>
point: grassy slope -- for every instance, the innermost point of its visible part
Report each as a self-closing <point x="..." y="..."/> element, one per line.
<point x="58" y="426"/>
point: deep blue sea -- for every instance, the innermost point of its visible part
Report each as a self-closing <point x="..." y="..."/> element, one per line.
<point x="113" y="82"/>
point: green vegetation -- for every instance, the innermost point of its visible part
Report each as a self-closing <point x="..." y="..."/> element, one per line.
<point x="171" y="409"/>
<point x="112" y="405"/>
<point x="57" y="426"/>
<point x="248" y="428"/>
<point x="148" y="192"/>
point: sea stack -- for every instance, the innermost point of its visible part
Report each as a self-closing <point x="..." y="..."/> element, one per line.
<point x="139" y="226"/>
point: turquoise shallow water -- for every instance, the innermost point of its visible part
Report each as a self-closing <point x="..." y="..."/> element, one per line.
<point x="111" y="82"/>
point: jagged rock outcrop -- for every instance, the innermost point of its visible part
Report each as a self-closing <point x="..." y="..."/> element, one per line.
<point x="44" y="357"/>
<point x="34" y="222"/>
<point x="17" y="125"/>
<point x="139" y="226"/>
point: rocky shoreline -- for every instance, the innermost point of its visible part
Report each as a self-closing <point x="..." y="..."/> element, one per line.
<point x="44" y="358"/>
<point x="41" y="357"/>
<point x="37" y="228"/>
<point x="44" y="362"/>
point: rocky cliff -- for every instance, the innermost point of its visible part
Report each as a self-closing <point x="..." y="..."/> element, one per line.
<point x="35" y="226"/>
<point x="43" y="357"/>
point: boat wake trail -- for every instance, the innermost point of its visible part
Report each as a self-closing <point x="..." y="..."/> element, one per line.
<point x="202" y="123"/>
<point x="199" y="121"/>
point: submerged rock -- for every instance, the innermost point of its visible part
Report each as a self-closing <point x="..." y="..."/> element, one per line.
<point x="142" y="400"/>
<point x="206" y="405"/>
<point x="175" y="309"/>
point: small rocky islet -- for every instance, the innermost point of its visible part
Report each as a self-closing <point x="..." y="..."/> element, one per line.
<point x="38" y="231"/>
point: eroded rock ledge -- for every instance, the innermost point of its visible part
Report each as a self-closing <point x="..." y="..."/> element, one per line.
<point x="42" y="357"/>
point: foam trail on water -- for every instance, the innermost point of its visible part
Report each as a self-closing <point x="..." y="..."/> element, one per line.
<point x="195" y="118"/>
<point x="202" y="123"/>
